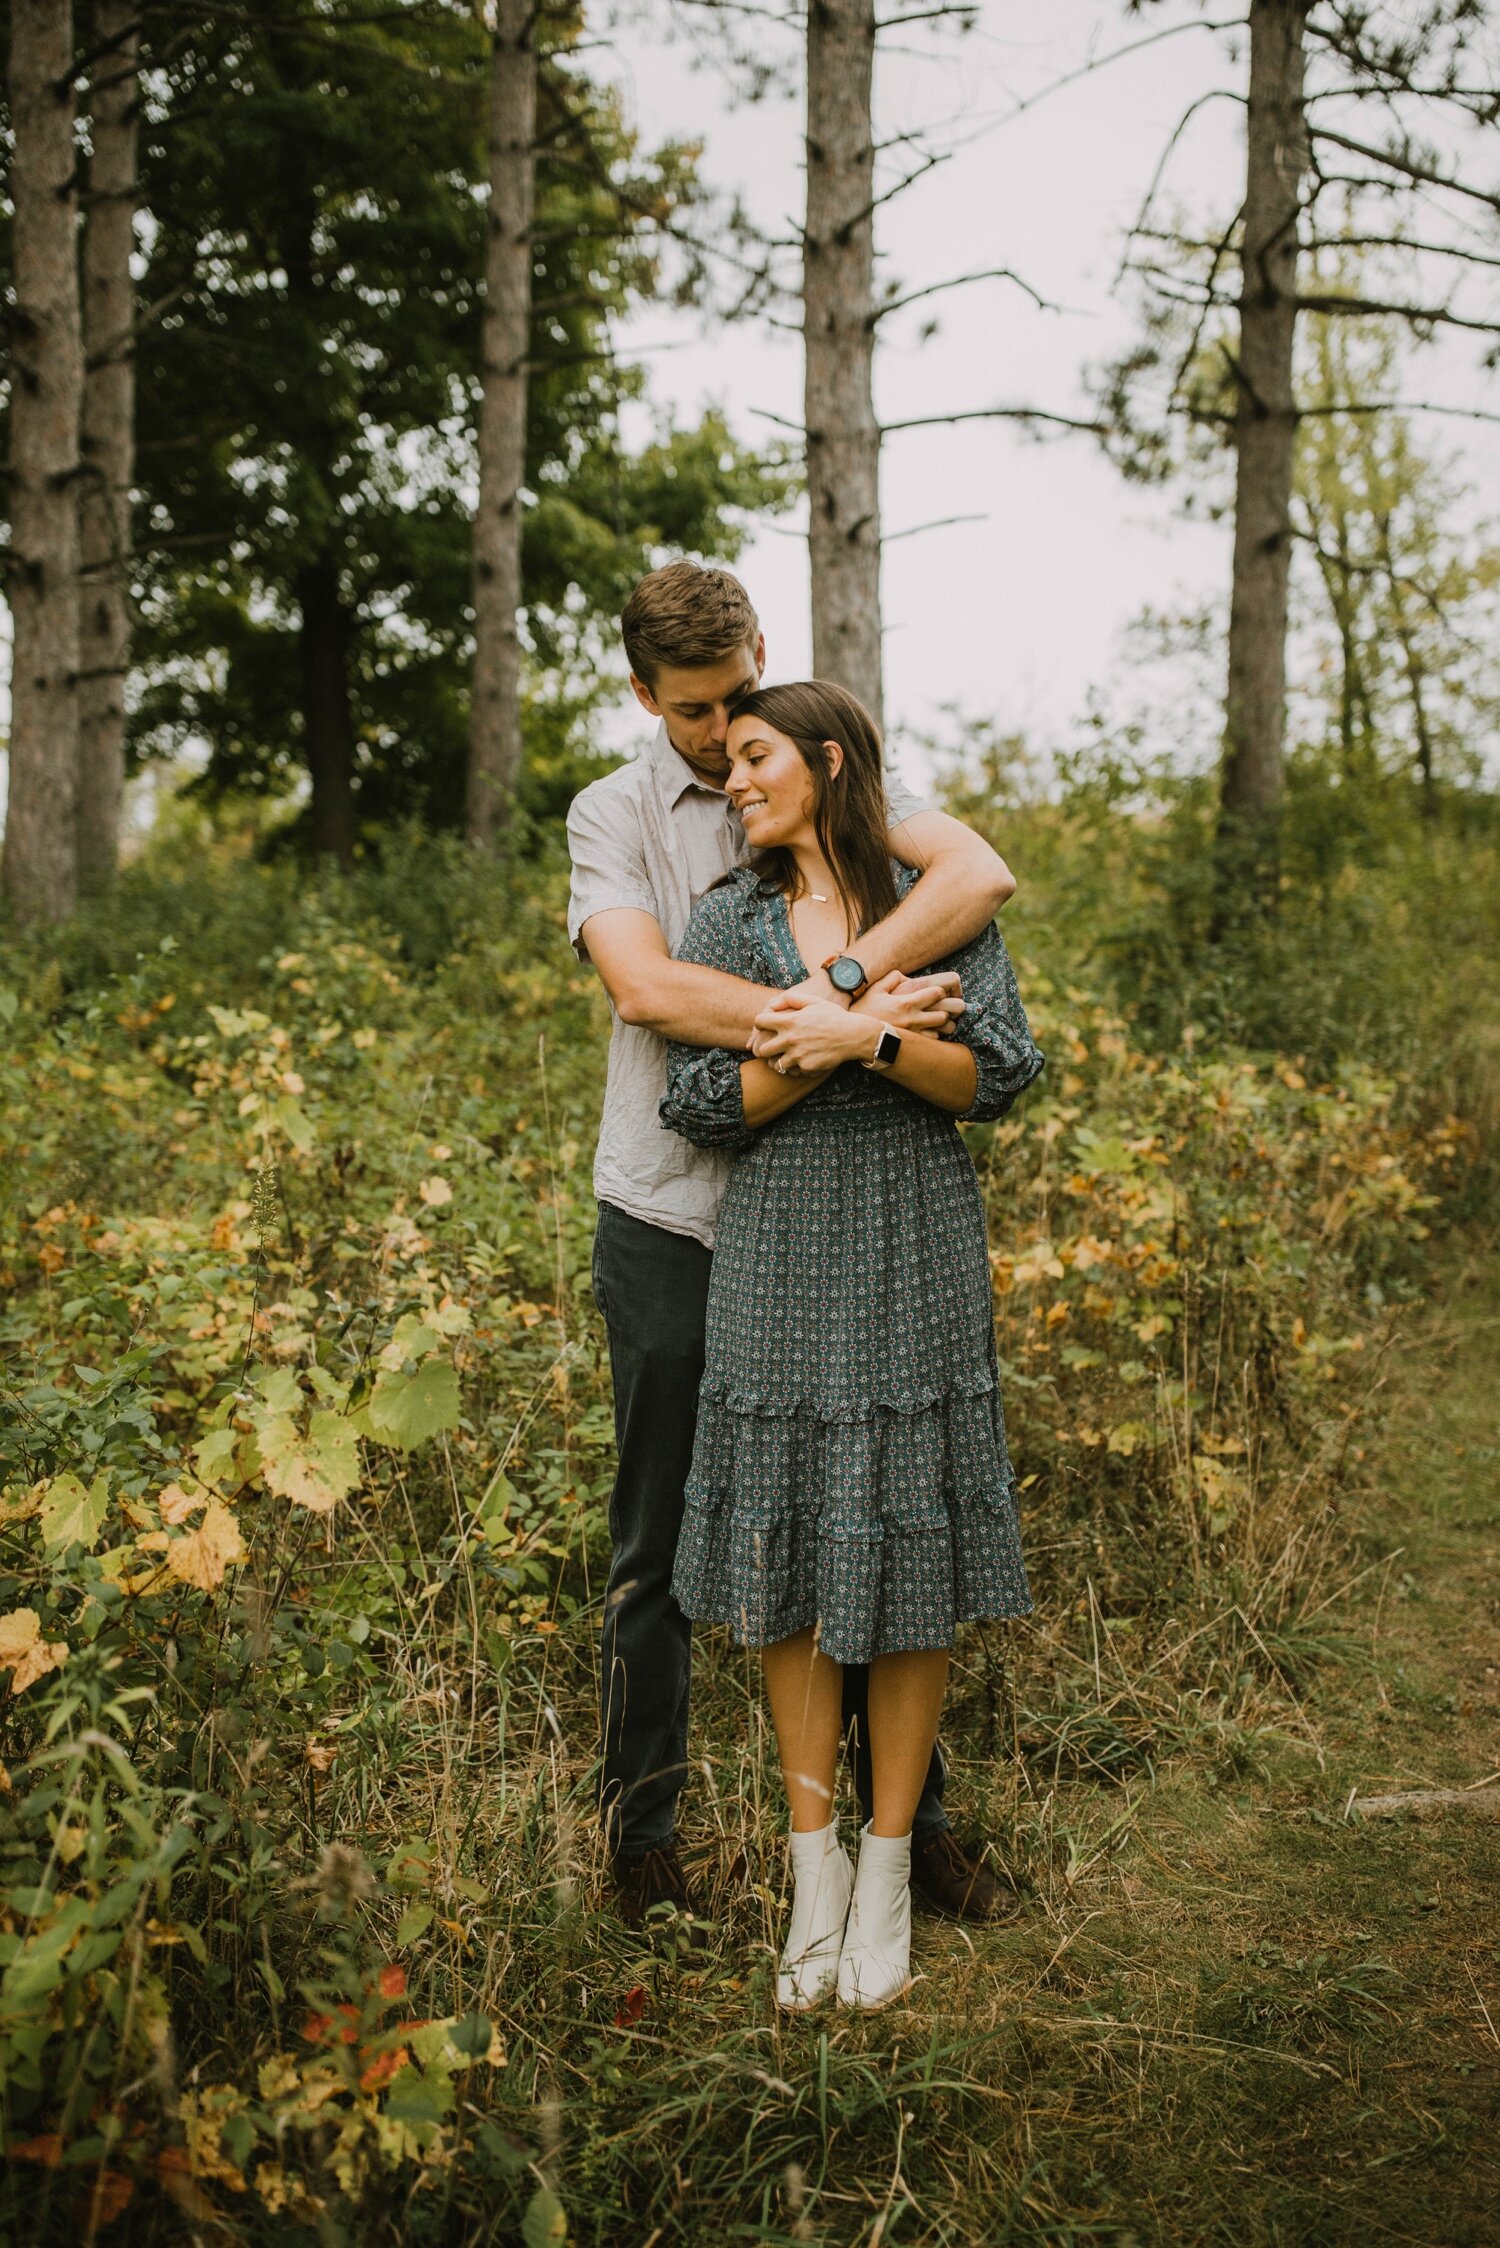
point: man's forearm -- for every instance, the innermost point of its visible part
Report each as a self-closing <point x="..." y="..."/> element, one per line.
<point x="696" y="1006"/>
<point x="943" y="912"/>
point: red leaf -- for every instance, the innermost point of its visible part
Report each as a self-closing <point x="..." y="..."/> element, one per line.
<point x="383" y="2068"/>
<point x="392" y="1982"/>
<point x="112" y="2191"/>
<point x="47" y="2150"/>
<point x="631" y="2007"/>
<point x="338" y="2028"/>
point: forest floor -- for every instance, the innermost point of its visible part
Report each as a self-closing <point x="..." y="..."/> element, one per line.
<point x="1227" y="2011"/>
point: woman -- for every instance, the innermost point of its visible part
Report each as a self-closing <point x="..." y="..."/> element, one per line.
<point x="851" y="1499"/>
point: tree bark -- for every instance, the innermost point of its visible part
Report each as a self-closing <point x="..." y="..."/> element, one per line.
<point x="324" y="646"/>
<point x="843" y="437"/>
<point x="495" y="710"/>
<point x="41" y="856"/>
<point x="108" y="437"/>
<point x="1265" y="428"/>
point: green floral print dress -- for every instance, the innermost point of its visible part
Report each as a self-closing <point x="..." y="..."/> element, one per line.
<point x="850" y="1466"/>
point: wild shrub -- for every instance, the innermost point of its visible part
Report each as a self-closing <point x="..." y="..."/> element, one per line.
<point x="303" y="1469"/>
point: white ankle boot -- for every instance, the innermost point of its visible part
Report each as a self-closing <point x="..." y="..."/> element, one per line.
<point x="823" y="1880"/>
<point x="875" y="1965"/>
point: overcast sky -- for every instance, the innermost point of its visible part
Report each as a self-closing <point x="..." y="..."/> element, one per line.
<point x="1017" y="614"/>
<point x="1014" y="614"/>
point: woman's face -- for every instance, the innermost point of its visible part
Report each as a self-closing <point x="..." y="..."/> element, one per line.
<point x="769" y="785"/>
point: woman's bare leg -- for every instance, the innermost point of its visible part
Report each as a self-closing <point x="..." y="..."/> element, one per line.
<point x="805" y="1691"/>
<point x="906" y="1701"/>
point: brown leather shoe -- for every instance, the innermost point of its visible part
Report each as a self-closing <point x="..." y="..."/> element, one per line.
<point x="652" y="1892"/>
<point x="957" y="1883"/>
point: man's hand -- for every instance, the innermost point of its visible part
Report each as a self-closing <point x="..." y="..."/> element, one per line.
<point x="806" y="1036"/>
<point x="931" y="1002"/>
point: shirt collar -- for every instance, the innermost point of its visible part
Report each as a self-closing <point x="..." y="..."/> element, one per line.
<point x="674" y="775"/>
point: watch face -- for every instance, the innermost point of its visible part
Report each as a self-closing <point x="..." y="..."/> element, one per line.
<point x="846" y="975"/>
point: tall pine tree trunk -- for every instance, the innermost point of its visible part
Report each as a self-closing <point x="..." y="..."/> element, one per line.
<point x="326" y="628"/>
<point x="41" y="858"/>
<point x="326" y="714"/>
<point x="108" y="437"/>
<point x="843" y="437"/>
<point x="1265" y="435"/>
<point x="495" y="712"/>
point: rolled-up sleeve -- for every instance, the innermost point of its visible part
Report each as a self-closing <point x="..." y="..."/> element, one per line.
<point x="609" y="863"/>
<point x="994" y="1027"/>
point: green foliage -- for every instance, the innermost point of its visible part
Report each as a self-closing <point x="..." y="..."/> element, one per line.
<point x="308" y="393"/>
<point x="307" y="1443"/>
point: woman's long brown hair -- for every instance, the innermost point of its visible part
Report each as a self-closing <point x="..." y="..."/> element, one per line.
<point x="850" y="816"/>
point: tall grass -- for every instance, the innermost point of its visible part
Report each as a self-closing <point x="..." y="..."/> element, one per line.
<point x="301" y="1933"/>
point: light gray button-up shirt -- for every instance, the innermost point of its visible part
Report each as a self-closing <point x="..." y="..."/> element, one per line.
<point x="653" y="836"/>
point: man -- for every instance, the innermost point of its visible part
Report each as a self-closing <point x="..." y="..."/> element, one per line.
<point x="646" y="842"/>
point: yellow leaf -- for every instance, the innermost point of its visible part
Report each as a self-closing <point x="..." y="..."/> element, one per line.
<point x="435" y="1192"/>
<point x="203" y="1556"/>
<point x="24" y="1652"/>
<point x="175" y="1506"/>
<point x="1126" y="1437"/>
<point x="364" y="1039"/>
<point x="316" y="1470"/>
<point x="72" y="1515"/>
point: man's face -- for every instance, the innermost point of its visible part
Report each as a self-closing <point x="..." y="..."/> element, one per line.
<point x="697" y="706"/>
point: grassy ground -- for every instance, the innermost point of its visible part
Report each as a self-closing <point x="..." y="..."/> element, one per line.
<point x="294" y="1801"/>
<point x="1225" y="2011"/>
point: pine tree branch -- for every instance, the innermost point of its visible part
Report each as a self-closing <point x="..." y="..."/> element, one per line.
<point x="963" y="281"/>
<point x="1409" y="166"/>
<point x="1397" y="242"/>
<point x="1417" y="315"/>
<point x="997" y="413"/>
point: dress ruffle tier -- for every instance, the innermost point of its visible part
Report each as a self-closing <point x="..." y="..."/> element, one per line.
<point x="887" y="1522"/>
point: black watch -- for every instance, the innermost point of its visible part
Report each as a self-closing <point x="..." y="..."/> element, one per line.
<point x="846" y="975"/>
<point x="887" y="1050"/>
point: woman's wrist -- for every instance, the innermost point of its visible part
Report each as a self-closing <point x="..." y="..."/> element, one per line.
<point x="865" y="1033"/>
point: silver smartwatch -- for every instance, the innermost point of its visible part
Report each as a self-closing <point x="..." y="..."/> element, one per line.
<point x="887" y="1050"/>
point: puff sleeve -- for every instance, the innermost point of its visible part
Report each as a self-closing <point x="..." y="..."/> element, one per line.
<point x="994" y="1028"/>
<point x="704" y="1101"/>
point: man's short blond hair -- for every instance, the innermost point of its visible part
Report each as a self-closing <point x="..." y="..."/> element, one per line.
<point x="686" y="616"/>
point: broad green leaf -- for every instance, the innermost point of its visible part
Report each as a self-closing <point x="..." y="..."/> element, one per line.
<point x="405" y="1409"/>
<point x="213" y="1456"/>
<point x="472" y="2035"/>
<point x="545" y="2224"/>
<point x="419" y="2099"/>
<point x="292" y="1119"/>
<point x="414" y="1337"/>
<point x="281" y="1390"/>
<point x="71" y="1515"/>
<point x="414" y="1922"/>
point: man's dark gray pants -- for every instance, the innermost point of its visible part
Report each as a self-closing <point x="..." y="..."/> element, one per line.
<point x="652" y="1288"/>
